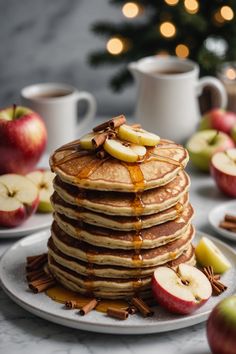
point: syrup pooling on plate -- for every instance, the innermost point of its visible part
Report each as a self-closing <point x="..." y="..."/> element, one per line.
<point x="62" y="295"/>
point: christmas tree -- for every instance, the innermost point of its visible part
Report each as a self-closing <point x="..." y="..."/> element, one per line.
<point x="204" y="31"/>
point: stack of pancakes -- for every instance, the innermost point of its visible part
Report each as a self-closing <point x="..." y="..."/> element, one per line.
<point x="115" y="222"/>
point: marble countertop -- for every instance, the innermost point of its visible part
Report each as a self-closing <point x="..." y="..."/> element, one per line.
<point x="22" y="332"/>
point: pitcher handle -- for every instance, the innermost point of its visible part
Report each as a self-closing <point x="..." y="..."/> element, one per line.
<point x="215" y="84"/>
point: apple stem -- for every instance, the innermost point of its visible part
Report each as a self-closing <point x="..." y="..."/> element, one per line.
<point x="212" y="140"/>
<point x="14" y="111"/>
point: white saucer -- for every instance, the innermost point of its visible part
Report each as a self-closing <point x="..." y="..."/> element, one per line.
<point x="35" y="223"/>
<point x="217" y="214"/>
<point x="12" y="280"/>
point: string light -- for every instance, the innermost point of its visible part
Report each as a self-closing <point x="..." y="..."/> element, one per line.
<point x="130" y="9"/>
<point x="115" y="46"/>
<point x="182" y="51"/>
<point x="172" y="2"/>
<point x="167" y="29"/>
<point x="227" y="13"/>
<point x="191" y="6"/>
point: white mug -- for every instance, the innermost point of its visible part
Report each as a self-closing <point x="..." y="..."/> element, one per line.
<point x="57" y="104"/>
<point x="167" y="96"/>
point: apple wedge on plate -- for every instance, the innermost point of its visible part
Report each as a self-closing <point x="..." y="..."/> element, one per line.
<point x="183" y="291"/>
<point x="43" y="181"/>
<point x="18" y="199"/>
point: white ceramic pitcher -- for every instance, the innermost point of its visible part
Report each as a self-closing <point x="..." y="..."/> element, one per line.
<point x="168" y="88"/>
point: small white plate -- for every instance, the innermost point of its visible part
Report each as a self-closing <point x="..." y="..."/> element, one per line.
<point x="12" y="280"/>
<point x="35" y="223"/>
<point x="217" y="214"/>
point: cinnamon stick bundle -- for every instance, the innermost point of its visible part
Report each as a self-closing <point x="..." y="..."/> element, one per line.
<point x="113" y="123"/>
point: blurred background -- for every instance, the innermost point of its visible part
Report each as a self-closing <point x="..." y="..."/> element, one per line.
<point x="43" y="41"/>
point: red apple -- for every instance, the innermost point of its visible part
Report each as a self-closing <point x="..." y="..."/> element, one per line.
<point x="223" y="170"/>
<point x="221" y="327"/>
<point x="219" y="119"/>
<point x="18" y="199"/>
<point x="23" y="138"/>
<point x="183" y="291"/>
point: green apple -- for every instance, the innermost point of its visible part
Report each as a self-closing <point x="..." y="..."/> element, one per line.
<point x="204" y="144"/>
<point x="233" y="133"/>
<point x="43" y="180"/>
<point x="204" y="123"/>
<point x="208" y="254"/>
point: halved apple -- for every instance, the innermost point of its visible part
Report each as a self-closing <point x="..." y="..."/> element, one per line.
<point x="137" y="135"/>
<point x="223" y="170"/>
<point x="123" y="152"/>
<point x="86" y="141"/>
<point x="183" y="291"/>
<point x="43" y="181"/>
<point x="208" y="254"/>
<point x="18" y="199"/>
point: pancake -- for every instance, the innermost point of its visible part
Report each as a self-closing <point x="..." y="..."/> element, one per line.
<point x="128" y="258"/>
<point x="105" y="287"/>
<point x="83" y="169"/>
<point x="117" y="222"/>
<point x="125" y="204"/>
<point x="98" y="270"/>
<point x="152" y="237"/>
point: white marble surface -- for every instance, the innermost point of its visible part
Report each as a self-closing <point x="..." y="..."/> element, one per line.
<point x="21" y="332"/>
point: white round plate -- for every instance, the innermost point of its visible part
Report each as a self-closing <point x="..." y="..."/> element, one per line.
<point x="12" y="280"/>
<point x="35" y="223"/>
<point x="217" y="214"/>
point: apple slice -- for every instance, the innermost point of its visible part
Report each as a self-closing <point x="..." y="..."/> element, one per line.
<point x="86" y="141"/>
<point x="43" y="181"/>
<point x="183" y="291"/>
<point x="208" y="254"/>
<point x="119" y="150"/>
<point x="223" y="170"/>
<point x="18" y="199"/>
<point x="137" y="136"/>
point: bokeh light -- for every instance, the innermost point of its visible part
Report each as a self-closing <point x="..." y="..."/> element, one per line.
<point x="182" y="51"/>
<point x="191" y="6"/>
<point x="130" y="9"/>
<point x="167" y="29"/>
<point x="171" y="2"/>
<point x="230" y="73"/>
<point x="227" y="13"/>
<point x="115" y="46"/>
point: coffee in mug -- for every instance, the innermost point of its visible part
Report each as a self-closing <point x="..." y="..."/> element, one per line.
<point x="57" y="104"/>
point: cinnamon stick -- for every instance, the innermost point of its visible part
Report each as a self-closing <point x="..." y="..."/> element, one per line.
<point x="40" y="286"/>
<point x="113" y="123"/>
<point x="142" y="307"/>
<point x="37" y="262"/>
<point x="72" y="304"/>
<point x="228" y="225"/>
<point x="101" y="154"/>
<point x="99" y="139"/>
<point x="88" y="307"/>
<point x="34" y="275"/>
<point x="231" y="218"/>
<point x="117" y="313"/>
<point x="132" y="310"/>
